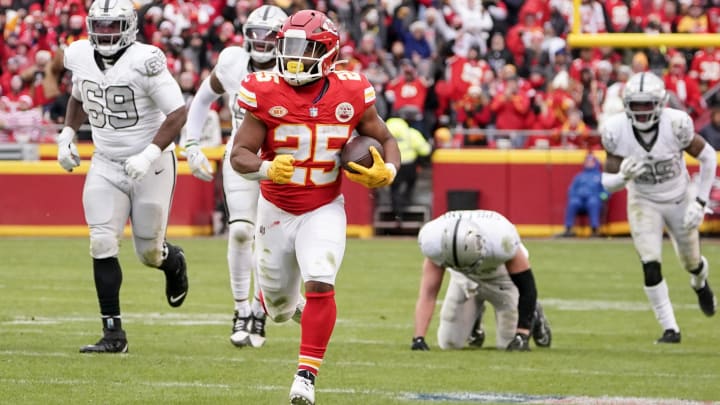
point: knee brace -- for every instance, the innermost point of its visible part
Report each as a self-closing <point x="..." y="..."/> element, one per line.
<point x="103" y="246"/>
<point x="652" y="272"/>
<point x="241" y="231"/>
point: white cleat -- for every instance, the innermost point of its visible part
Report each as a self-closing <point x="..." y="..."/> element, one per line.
<point x="302" y="391"/>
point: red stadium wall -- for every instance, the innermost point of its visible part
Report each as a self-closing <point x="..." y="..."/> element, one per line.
<point x="40" y="198"/>
<point x="527" y="186"/>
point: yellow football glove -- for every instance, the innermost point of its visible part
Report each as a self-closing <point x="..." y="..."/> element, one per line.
<point x="379" y="174"/>
<point x="281" y="169"/>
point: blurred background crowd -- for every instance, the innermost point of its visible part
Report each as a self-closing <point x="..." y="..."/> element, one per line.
<point x="465" y="73"/>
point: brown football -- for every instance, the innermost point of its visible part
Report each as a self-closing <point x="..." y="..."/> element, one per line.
<point x="358" y="150"/>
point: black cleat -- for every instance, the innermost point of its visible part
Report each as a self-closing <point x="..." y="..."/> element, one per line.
<point x="669" y="336"/>
<point x="706" y="299"/>
<point x="541" y="333"/>
<point x="113" y="341"/>
<point x="176" y="283"/>
<point x="520" y="343"/>
<point x="257" y="332"/>
<point x="240" y="336"/>
<point x="477" y="336"/>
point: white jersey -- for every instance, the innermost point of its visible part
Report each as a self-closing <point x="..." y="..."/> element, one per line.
<point x="667" y="177"/>
<point x="232" y="66"/>
<point x="500" y="242"/>
<point x="127" y="103"/>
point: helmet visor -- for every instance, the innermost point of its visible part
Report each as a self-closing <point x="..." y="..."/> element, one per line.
<point x="261" y="39"/>
<point x="300" y="55"/>
<point x="106" y="31"/>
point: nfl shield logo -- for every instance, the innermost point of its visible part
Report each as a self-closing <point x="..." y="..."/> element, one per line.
<point x="313" y="111"/>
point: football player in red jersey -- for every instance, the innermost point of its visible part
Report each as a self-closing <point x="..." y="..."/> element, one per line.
<point x="299" y="119"/>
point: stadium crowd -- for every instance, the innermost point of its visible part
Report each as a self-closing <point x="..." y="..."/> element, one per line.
<point x="485" y="73"/>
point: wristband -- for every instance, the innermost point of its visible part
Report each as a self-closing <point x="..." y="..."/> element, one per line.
<point x="391" y="168"/>
<point x="700" y="201"/>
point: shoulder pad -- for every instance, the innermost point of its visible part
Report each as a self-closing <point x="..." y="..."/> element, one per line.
<point x="610" y="131"/>
<point x="151" y="61"/>
<point x="231" y="56"/>
<point x="74" y="52"/>
<point x="682" y="126"/>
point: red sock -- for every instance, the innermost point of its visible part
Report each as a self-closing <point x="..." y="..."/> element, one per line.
<point x="318" y="321"/>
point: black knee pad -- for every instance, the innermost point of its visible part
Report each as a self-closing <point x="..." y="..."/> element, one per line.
<point x="653" y="275"/>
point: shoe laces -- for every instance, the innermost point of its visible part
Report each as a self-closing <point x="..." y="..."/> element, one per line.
<point x="258" y="326"/>
<point x="241" y="323"/>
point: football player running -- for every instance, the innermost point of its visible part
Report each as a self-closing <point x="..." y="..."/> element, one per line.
<point x="487" y="261"/>
<point x="645" y="154"/>
<point x="299" y="119"/>
<point x="135" y="109"/>
<point x="241" y="195"/>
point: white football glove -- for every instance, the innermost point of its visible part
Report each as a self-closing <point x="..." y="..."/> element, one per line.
<point x="67" y="155"/>
<point x="694" y="214"/>
<point x="136" y="166"/>
<point x="198" y="162"/>
<point x="631" y="168"/>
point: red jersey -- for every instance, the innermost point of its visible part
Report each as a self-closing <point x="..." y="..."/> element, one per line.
<point x="464" y="73"/>
<point x="705" y="67"/>
<point x="313" y="131"/>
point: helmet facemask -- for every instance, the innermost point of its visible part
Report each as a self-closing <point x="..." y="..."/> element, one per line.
<point x="260" y="32"/>
<point x="111" y="27"/>
<point x="301" y="61"/>
<point x="261" y="42"/>
<point x="644" y="99"/>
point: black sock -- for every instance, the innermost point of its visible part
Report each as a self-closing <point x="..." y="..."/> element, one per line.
<point x="525" y="283"/>
<point x="108" y="278"/>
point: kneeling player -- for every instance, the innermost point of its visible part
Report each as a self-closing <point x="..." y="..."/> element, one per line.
<point x="487" y="262"/>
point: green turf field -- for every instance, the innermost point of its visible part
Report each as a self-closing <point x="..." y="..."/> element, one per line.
<point x="603" y="333"/>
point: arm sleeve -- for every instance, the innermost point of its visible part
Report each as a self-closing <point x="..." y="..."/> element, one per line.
<point x="613" y="181"/>
<point x="198" y="113"/>
<point x="708" y="164"/>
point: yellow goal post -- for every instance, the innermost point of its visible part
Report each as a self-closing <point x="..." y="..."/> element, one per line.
<point x="577" y="39"/>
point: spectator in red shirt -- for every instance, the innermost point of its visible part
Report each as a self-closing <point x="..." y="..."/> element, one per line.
<point x="684" y="87"/>
<point x="473" y="114"/>
<point x="463" y="72"/>
<point x="705" y="68"/>
<point x="511" y="108"/>
<point x="407" y="93"/>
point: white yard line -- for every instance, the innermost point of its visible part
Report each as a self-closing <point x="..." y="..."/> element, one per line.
<point x="474" y="397"/>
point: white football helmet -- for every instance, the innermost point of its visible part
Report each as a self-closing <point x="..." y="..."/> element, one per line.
<point x="260" y="32"/>
<point x="644" y="97"/>
<point x="111" y="25"/>
<point x="462" y="243"/>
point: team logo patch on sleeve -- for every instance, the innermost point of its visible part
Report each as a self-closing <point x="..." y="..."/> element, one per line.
<point x="344" y="112"/>
<point x="369" y="95"/>
<point x="156" y="63"/>
<point x="247" y="97"/>
<point x="278" y="111"/>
